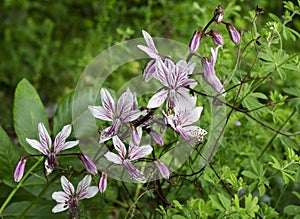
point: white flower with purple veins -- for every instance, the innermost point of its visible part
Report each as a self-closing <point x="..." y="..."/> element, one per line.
<point x="209" y="74"/>
<point x="69" y="199"/>
<point x="175" y="80"/>
<point x="151" y="51"/>
<point x="45" y="145"/>
<point x="124" y="158"/>
<point x="119" y="114"/>
<point x="182" y="122"/>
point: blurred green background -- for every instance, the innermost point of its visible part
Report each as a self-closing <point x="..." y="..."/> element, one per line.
<point x="51" y="42"/>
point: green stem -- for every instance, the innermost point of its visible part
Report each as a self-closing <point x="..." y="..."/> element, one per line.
<point x="19" y="185"/>
<point x="38" y="198"/>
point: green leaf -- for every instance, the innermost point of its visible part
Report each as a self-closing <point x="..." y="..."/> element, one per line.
<point x="8" y="158"/>
<point x="292" y="210"/>
<point x="250" y="174"/>
<point x="28" y="112"/>
<point x="63" y="115"/>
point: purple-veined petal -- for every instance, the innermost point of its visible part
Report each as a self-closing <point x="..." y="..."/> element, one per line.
<point x="113" y="157"/>
<point x="157" y="138"/>
<point x="149" y="41"/>
<point x="19" y="171"/>
<point x="67" y="145"/>
<point x="165" y="71"/>
<point x="136" y="135"/>
<point x="119" y="146"/>
<point x="158" y="99"/>
<point x="89" y="164"/>
<point x="133" y="171"/>
<point x="103" y="182"/>
<point x="137" y="152"/>
<point x="148" y="51"/>
<point x="131" y="116"/>
<point x="100" y="113"/>
<point x="183" y="98"/>
<point x="62" y="136"/>
<point x="163" y="169"/>
<point x="107" y="102"/>
<point x="45" y="139"/>
<point x="125" y="103"/>
<point x="91" y="192"/>
<point x="191" y="116"/>
<point x="105" y="135"/>
<point x="183" y="133"/>
<point x="37" y="145"/>
<point x="67" y="186"/>
<point x="60" y="197"/>
<point x="60" y="207"/>
<point x="150" y="70"/>
<point x="83" y="184"/>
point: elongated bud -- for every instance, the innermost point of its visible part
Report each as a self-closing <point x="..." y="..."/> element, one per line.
<point x="88" y="164"/>
<point x="219" y="14"/>
<point x="216" y="37"/>
<point x="19" y="171"/>
<point x="157" y="138"/>
<point x="233" y="33"/>
<point x="163" y="169"/>
<point x="103" y="182"/>
<point x="195" y="41"/>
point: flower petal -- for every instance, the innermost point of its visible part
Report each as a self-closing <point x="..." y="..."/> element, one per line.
<point x="133" y="171"/>
<point x="44" y="137"/>
<point x="150" y="70"/>
<point x="119" y="146"/>
<point x="158" y="99"/>
<point x="107" y="102"/>
<point x="89" y="164"/>
<point x="136" y="152"/>
<point x="113" y="157"/>
<point x="83" y="185"/>
<point x="62" y="136"/>
<point x="157" y="138"/>
<point x="60" y="207"/>
<point x="67" y="186"/>
<point x="37" y="145"/>
<point x="125" y="103"/>
<point x="66" y="146"/>
<point x="100" y="113"/>
<point x="163" y="169"/>
<point x="60" y="197"/>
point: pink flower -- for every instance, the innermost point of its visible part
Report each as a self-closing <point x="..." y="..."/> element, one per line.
<point x="103" y="182"/>
<point x="19" y="171"/>
<point x="195" y="41"/>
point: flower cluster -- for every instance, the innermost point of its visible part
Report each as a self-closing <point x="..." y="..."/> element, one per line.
<point x="172" y="106"/>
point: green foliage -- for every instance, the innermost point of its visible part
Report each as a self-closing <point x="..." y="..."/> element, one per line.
<point x="254" y="174"/>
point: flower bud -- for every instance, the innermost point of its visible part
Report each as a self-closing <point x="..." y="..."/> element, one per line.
<point x="233" y="33"/>
<point x="157" y="138"/>
<point x="195" y="41"/>
<point x="219" y="14"/>
<point x="216" y="37"/>
<point x="19" y="171"/>
<point x="103" y="182"/>
<point x="88" y="164"/>
<point x="163" y="169"/>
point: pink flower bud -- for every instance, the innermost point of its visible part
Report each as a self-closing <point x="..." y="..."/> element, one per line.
<point x="103" y="182"/>
<point x="89" y="164"/>
<point x="233" y="33"/>
<point x="19" y="171"/>
<point x="216" y="37"/>
<point x="157" y="138"/>
<point x="195" y="41"/>
<point x="163" y="169"/>
<point x="219" y="14"/>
